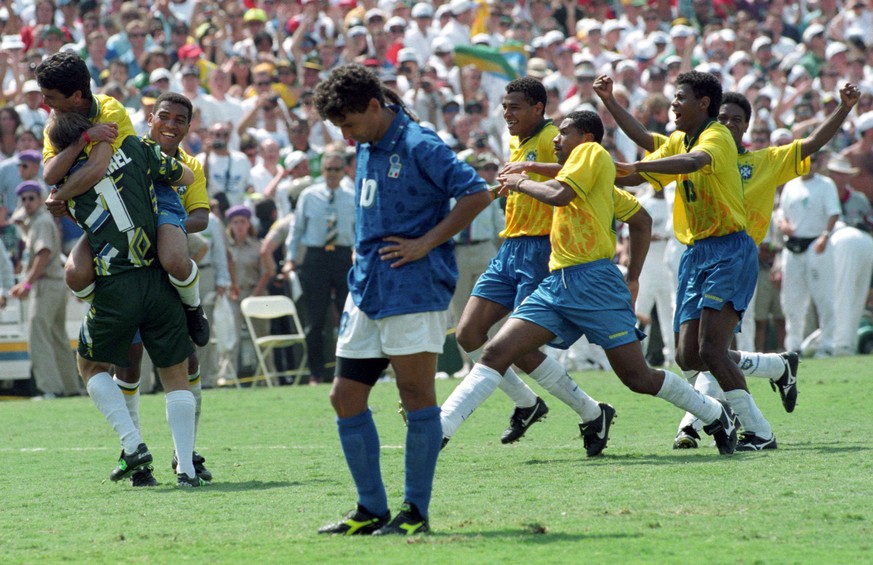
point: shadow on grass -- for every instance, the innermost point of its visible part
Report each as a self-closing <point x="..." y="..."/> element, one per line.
<point x="634" y="459"/>
<point x="237" y="487"/>
<point x="524" y="536"/>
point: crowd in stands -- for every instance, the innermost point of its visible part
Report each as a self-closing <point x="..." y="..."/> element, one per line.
<point x="250" y="68"/>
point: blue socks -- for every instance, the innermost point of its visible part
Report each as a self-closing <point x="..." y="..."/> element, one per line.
<point x="424" y="435"/>
<point x="360" y="443"/>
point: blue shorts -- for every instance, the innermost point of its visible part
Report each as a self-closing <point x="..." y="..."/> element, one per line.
<point x="713" y="272"/>
<point x="170" y="209"/>
<point x="516" y="271"/>
<point x="591" y="299"/>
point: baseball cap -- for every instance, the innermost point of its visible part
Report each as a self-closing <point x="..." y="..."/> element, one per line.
<point x="780" y="135"/>
<point x="461" y="6"/>
<point x="255" y="15"/>
<point x="294" y="158"/>
<point x="30" y="86"/>
<point x="552" y="37"/>
<point x="422" y="10"/>
<point x="235" y="211"/>
<point x="52" y="30"/>
<point x="484" y="160"/>
<point x="835" y="48"/>
<point x="681" y="30"/>
<point x="160" y="74"/>
<point x="190" y="70"/>
<point x="442" y="45"/>
<point x="760" y="42"/>
<point x="481" y="39"/>
<point x="865" y="122"/>
<point x="357" y="30"/>
<point x="812" y="31"/>
<point x="374" y="13"/>
<point x="149" y="95"/>
<point x="407" y="55"/>
<point x="30" y="155"/>
<point x="395" y="21"/>
<point x="189" y="51"/>
<point x="840" y="164"/>
<point x="538" y="68"/>
<point x="28" y="186"/>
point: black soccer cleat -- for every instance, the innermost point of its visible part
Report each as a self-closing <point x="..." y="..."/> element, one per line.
<point x="408" y="522"/>
<point x="723" y="430"/>
<point x="356" y="523"/>
<point x="143" y="478"/>
<point x="750" y="442"/>
<point x="522" y="419"/>
<point x="184" y="481"/>
<point x="687" y="438"/>
<point x="199" y="467"/>
<point x="127" y="464"/>
<point x="198" y="325"/>
<point x="787" y="383"/>
<point x="595" y="434"/>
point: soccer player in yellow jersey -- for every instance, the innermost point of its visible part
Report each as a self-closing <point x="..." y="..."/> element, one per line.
<point x="762" y="171"/>
<point x="513" y="274"/>
<point x="718" y="270"/>
<point x="585" y="293"/>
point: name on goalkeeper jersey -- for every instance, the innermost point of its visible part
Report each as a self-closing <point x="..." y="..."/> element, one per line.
<point x="118" y="160"/>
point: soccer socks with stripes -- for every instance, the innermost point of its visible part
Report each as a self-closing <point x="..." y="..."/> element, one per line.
<point x="762" y="365"/>
<point x="554" y="378"/>
<point x="110" y="401"/>
<point x="189" y="290"/>
<point x="86" y="294"/>
<point x="423" y="439"/>
<point x="131" y="398"/>
<point x="196" y="390"/>
<point x="749" y="414"/>
<point x="467" y="396"/>
<point x="678" y="392"/>
<point x="360" y="443"/>
<point x="511" y="384"/>
<point x="180" y="417"/>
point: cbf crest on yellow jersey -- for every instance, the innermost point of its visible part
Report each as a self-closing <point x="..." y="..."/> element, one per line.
<point x="762" y="172"/>
<point x="584" y="230"/>
<point x="709" y="202"/>
<point x="526" y="215"/>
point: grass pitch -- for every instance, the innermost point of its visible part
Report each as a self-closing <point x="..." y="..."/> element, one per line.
<point x="280" y="474"/>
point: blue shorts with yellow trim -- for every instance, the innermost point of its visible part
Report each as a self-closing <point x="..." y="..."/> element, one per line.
<point x="516" y="271"/>
<point x="713" y="272"/>
<point x="590" y="299"/>
<point x="170" y="209"/>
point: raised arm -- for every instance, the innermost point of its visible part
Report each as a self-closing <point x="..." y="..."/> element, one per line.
<point x="849" y="96"/>
<point x="625" y="120"/>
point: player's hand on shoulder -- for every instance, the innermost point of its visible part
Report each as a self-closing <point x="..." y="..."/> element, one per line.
<point x="625" y="169"/>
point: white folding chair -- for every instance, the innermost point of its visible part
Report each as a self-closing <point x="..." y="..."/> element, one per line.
<point x="269" y="308"/>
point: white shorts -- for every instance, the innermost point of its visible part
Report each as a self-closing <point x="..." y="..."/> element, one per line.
<point x="361" y="337"/>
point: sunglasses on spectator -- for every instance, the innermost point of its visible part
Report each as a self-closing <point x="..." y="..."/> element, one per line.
<point x="263" y="83"/>
<point x="136" y="34"/>
<point x="29" y="198"/>
<point x="333" y="169"/>
<point x="221" y="133"/>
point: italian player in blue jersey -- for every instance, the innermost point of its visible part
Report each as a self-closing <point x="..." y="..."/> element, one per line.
<point x="399" y="288"/>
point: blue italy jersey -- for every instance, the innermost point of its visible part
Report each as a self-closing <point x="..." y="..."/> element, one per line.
<point x="403" y="187"/>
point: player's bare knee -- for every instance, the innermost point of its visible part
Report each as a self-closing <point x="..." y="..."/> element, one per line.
<point x="470" y="338"/>
<point x="713" y="355"/>
<point x="176" y="264"/>
<point x="78" y="276"/>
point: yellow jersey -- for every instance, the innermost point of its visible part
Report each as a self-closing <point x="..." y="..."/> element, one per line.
<point x="195" y="195"/>
<point x="762" y="172"/>
<point x="709" y="202"/>
<point x="584" y="230"/>
<point x="104" y="109"/>
<point x="626" y="204"/>
<point x="526" y="215"/>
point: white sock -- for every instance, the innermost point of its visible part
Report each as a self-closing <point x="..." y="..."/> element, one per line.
<point x="189" y="290"/>
<point x="131" y="398"/>
<point x="86" y="294"/>
<point x="705" y="384"/>
<point x="762" y="365"/>
<point x="747" y="411"/>
<point x="467" y="396"/>
<point x="110" y="401"/>
<point x="517" y="390"/>
<point x="679" y="393"/>
<point x="180" y="417"/>
<point x="196" y="390"/>
<point x="511" y="384"/>
<point x="554" y="378"/>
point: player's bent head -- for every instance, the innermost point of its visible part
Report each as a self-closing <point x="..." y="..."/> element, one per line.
<point x="175" y="98"/>
<point x="703" y="84"/>
<point x="65" y="128"/>
<point x="586" y="121"/>
<point x="65" y="72"/>
<point x="532" y="90"/>
<point x="347" y="90"/>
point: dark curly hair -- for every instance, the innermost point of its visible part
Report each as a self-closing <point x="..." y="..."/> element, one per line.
<point x="349" y="89"/>
<point x="175" y="98"/>
<point x="586" y="121"/>
<point x="65" y="128"/>
<point x="703" y="84"/>
<point x="65" y="72"/>
<point x="739" y="100"/>
<point x="532" y="89"/>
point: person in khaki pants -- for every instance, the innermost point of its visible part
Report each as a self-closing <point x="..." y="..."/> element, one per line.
<point x="42" y="281"/>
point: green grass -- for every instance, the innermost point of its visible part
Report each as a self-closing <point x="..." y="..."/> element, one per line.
<point x="280" y="474"/>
